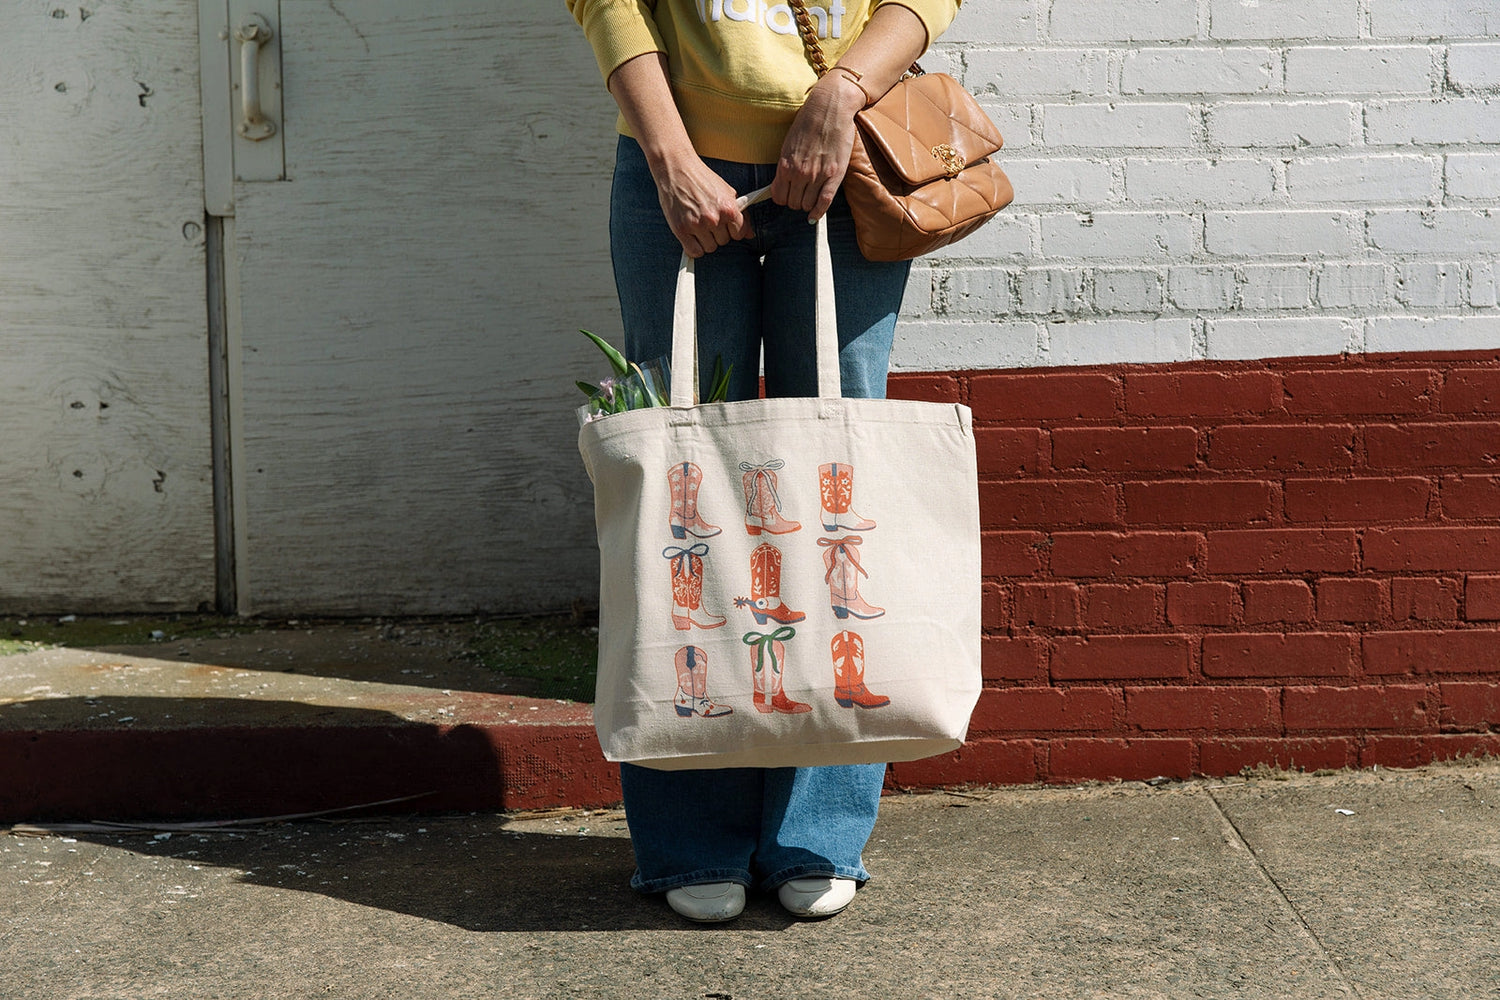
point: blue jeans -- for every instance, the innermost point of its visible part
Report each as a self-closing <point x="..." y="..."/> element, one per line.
<point x="755" y="826"/>
<point x="751" y="293"/>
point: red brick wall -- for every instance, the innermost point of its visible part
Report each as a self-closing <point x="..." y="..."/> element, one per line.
<point x="1190" y="569"/>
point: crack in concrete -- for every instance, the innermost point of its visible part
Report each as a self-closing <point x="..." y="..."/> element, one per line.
<point x="1238" y="837"/>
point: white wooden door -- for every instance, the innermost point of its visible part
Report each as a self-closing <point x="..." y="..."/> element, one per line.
<point x="106" y="483"/>
<point x="406" y="305"/>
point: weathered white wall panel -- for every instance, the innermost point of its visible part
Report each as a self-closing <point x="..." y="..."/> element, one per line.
<point x="1355" y="140"/>
<point x="105" y="469"/>
<point x="411" y="296"/>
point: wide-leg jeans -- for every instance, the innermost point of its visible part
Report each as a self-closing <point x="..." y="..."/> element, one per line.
<point x="755" y="826"/>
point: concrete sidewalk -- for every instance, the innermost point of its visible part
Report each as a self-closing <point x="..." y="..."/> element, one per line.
<point x="1368" y="885"/>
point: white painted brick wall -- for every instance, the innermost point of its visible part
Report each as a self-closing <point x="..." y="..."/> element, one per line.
<point x="1122" y="20"/>
<point x="1373" y="178"/>
<point x="1276" y="286"/>
<point x="1474" y="66"/>
<point x="1350" y="286"/>
<point x="1431" y="283"/>
<point x="1277" y="337"/>
<point x="1037" y="71"/>
<point x="1280" y="233"/>
<point x="1459" y="120"/>
<point x="1143" y="126"/>
<point x="1358" y="69"/>
<point x="1075" y="183"/>
<point x="1200" y="181"/>
<point x="1473" y="176"/>
<point x="1200" y="71"/>
<point x="1202" y="289"/>
<point x="1128" y="290"/>
<point x="1484" y="285"/>
<point x="1223" y="179"/>
<point x="1291" y="124"/>
<point x="1432" y="18"/>
<point x="1283" y="19"/>
<point x="1051" y="290"/>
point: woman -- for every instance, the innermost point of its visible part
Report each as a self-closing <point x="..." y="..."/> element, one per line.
<point x="717" y="99"/>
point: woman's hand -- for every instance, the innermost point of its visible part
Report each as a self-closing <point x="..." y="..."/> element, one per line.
<point x="699" y="206"/>
<point x="815" y="154"/>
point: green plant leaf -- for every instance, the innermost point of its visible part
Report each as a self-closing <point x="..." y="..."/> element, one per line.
<point x="588" y="390"/>
<point x="616" y="359"/>
<point x="721" y="386"/>
<point x="640" y="394"/>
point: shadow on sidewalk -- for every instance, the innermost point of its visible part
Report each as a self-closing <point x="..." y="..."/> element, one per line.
<point x="467" y="871"/>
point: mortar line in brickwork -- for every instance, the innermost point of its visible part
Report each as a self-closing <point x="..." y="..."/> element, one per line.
<point x="1233" y="828"/>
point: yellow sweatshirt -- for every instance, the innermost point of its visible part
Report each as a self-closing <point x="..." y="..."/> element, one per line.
<point x="738" y="69"/>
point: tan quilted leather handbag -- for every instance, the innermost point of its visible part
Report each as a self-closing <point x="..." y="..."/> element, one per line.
<point x="922" y="173"/>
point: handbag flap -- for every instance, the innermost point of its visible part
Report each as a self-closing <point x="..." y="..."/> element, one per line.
<point x="928" y="127"/>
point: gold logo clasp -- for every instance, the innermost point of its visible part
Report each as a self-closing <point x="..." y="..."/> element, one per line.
<point x="952" y="159"/>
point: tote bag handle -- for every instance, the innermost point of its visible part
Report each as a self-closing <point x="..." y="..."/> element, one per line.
<point x="685" y="320"/>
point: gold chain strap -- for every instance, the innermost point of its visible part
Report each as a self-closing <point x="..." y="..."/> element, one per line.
<point x="815" y="51"/>
<point x="809" y="37"/>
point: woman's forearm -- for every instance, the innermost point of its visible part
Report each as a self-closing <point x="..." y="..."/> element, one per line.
<point x="641" y="88"/>
<point x="699" y="206"/>
<point x="891" y="41"/>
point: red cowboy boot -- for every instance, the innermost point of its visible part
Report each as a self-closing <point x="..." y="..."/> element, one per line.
<point x="767" y="664"/>
<point x="849" y="673"/>
<point x="687" y="588"/>
<point x="842" y="559"/>
<point x="764" y="601"/>
<point x="836" y="488"/>
<point x="684" y="479"/>
<point x="692" y="686"/>
<point x="762" y="502"/>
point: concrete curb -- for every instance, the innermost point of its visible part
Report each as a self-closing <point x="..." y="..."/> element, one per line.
<point x="98" y="735"/>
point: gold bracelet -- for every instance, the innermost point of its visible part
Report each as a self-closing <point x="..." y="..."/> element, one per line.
<point x="856" y="76"/>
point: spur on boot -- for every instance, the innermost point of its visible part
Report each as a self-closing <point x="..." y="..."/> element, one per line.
<point x="765" y="601"/>
<point x="819" y="896"/>
<point x="708" y="902"/>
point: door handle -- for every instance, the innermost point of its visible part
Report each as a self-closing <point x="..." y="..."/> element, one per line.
<point x="252" y="33"/>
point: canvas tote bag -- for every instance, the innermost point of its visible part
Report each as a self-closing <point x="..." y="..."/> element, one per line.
<point x="784" y="582"/>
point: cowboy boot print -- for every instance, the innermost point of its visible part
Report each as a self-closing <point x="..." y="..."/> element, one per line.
<point x="762" y="501"/>
<point x="692" y="686"/>
<point x="767" y="666"/>
<point x="849" y="673"/>
<point x="764" y="601"/>
<point x="685" y="478"/>
<point x="687" y="588"/>
<point x="836" y="490"/>
<point x="841" y="557"/>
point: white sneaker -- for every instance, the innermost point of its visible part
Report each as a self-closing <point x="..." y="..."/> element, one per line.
<point x="709" y="902"/>
<point x="820" y="896"/>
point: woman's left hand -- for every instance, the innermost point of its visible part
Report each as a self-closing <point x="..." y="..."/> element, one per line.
<point x="815" y="154"/>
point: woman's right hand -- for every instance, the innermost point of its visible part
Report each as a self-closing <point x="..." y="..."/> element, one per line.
<point x="699" y="206"/>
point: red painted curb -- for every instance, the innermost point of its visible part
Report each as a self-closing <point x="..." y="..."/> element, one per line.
<point x="233" y="773"/>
